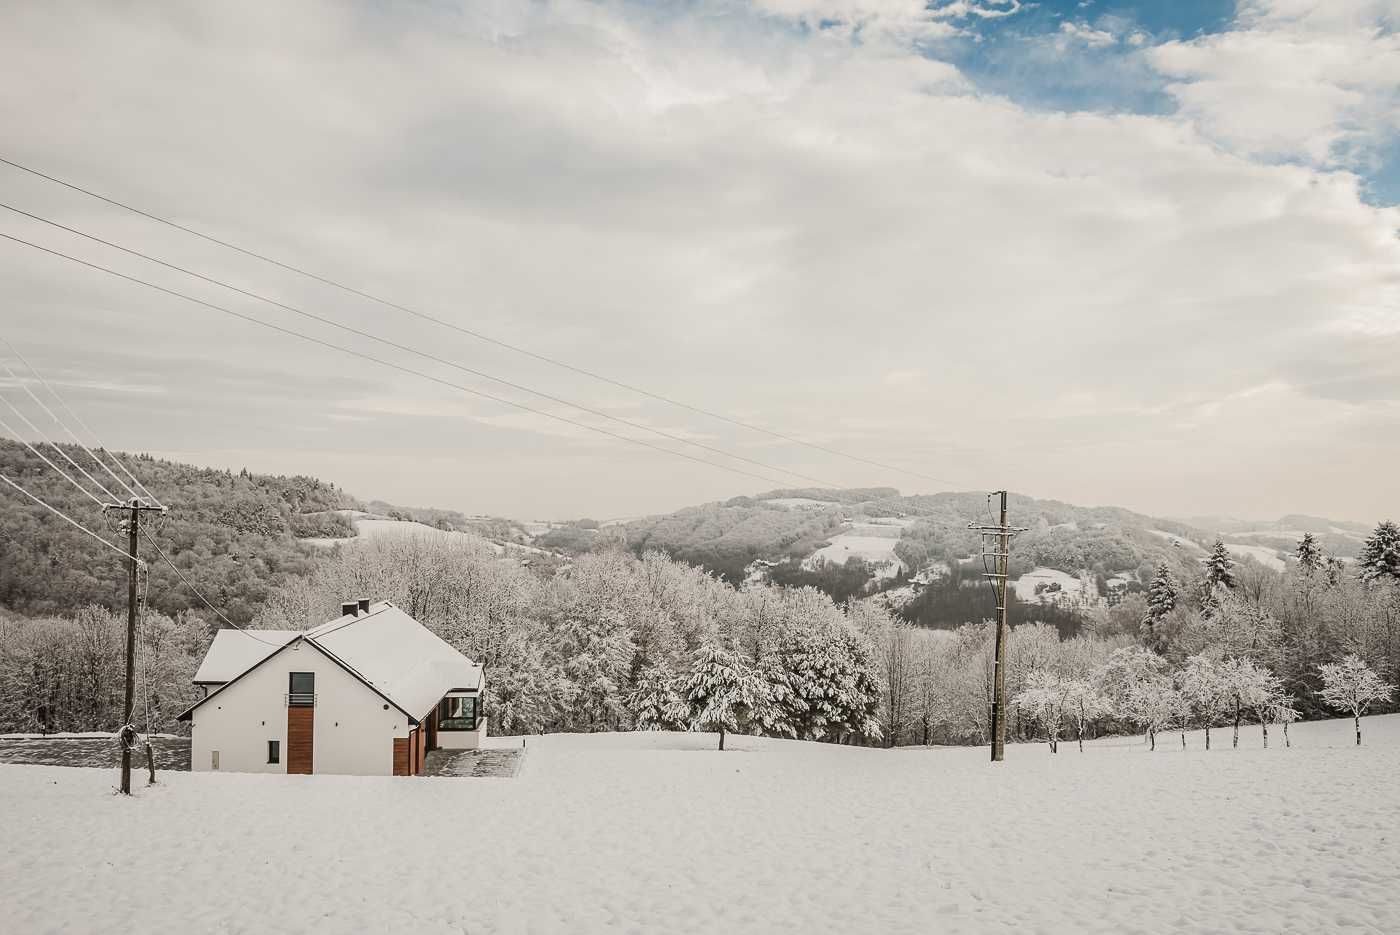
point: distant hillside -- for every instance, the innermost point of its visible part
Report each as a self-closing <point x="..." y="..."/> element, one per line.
<point x="233" y="534"/>
<point x="239" y="535"/>
<point x="855" y="542"/>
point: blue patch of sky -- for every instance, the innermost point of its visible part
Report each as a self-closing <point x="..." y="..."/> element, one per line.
<point x="1027" y="58"/>
<point x="1381" y="185"/>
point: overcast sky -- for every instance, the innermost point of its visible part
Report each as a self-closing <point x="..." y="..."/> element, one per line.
<point x="1141" y="254"/>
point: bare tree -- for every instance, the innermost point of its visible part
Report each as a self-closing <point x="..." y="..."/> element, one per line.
<point x="1351" y="686"/>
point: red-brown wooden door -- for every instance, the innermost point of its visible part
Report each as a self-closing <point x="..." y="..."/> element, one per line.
<point x="301" y="721"/>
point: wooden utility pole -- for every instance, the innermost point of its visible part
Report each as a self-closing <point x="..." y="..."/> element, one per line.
<point x="134" y="508"/>
<point x="1000" y="539"/>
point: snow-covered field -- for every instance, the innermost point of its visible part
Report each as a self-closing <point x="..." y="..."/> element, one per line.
<point x="661" y="833"/>
<point x="366" y="528"/>
<point x="1266" y="556"/>
<point x="1071" y="586"/>
<point x="876" y="548"/>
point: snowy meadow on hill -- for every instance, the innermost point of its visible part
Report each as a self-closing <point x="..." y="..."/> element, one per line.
<point x="642" y="832"/>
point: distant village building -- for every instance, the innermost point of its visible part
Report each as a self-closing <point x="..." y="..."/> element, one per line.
<point x="368" y="693"/>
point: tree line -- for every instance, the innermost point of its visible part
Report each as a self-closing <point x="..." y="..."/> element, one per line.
<point x="613" y="641"/>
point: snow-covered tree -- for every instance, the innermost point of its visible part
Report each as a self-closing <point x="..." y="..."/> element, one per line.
<point x="1162" y="596"/>
<point x="1219" y="568"/>
<point x="1380" y="556"/>
<point x="596" y="655"/>
<point x="833" y="689"/>
<point x="1247" y="686"/>
<point x="1083" y="704"/>
<point x="1351" y="686"/>
<point x="892" y="640"/>
<point x="723" y="692"/>
<point x="1122" y="672"/>
<point x="656" y="702"/>
<point x="1153" y="704"/>
<point x="1271" y="704"/>
<point x="1043" y="701"/>
<point x="1205" y="683"/>
<point x="1285" y="713"/>
<point x="1310" y="557"/>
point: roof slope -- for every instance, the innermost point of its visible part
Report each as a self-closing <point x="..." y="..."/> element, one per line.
<point x="395" y="655"/>
<point x="234" y="652"/>
<point x="398" y="656"/>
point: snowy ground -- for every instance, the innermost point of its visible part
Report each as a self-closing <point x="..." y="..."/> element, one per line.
<point x="1266" y="556"/>
<point x="869" y="541"/>
<point x="1071" y="586"/>
<point x="660" y="833"/>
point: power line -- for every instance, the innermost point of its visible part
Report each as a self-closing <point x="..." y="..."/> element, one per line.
<point x="67" y="457"/>
<point x="415" y="351"/>
<point x="68" y="519"/>
<point x="418" y="373"/>
<point x="66" y="476"/>
<point x="73" y="435"/>
<point x="514" y="348"/>
<point x="386" y="363"/>
<point x="200" y="594"/>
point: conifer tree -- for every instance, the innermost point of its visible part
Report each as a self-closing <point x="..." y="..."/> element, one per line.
<point x="1220" y="568"/>
<point x="1310" y="557"/>
<point x="724" y="692"/>
<point x="1380" y="556"/>
<point x="656" y="702"/>
<point x="1161" y="600"/>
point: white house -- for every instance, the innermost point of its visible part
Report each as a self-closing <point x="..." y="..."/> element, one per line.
<point x="368" y="693"/>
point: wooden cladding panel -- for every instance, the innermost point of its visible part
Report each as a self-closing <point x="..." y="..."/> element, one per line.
<point x="400" y="756"/>
<point x="300" y="731"/>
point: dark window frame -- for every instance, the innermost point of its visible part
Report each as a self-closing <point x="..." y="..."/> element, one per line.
<point x="448" y="722"/>
<point x="303" y="698"/>
<point x="274" y="751"/>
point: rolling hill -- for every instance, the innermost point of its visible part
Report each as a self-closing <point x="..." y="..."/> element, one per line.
<point x="239" y="535"/>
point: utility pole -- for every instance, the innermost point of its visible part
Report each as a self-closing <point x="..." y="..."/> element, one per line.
<point x="134" y="508"/>
<point x="999" y="537"/>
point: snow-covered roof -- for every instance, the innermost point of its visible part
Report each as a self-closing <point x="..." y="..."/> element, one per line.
<point x="388" y="650"/>
<point x="402" y="659"/>
<point x="234" y="652"/>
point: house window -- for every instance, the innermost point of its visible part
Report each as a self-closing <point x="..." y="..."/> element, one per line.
<point x="301" y="689"/>
<point x="274" y="751"/>
<point x="457" y="713"/>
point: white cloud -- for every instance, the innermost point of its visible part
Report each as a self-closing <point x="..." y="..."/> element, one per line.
<point x="905" y="378"/>
<point x="1081" y="32"/>
<point x="1312" y="79"/>
<point x="710" y="204"/>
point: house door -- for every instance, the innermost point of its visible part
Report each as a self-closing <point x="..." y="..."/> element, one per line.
<point x="301" y="721"/>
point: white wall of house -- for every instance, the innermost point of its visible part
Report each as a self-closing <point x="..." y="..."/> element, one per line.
<point x="463" y="739"/>
<point x="353" y="732"/>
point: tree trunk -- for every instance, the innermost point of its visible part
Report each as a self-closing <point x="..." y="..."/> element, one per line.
<point x="1081" y="736"/>
<point x="1236" y="744"/>
<point x="1207" y="736"/>
<point x="150" y="763"/>
<point x="1152" y="738"/>
<point x="1265" y="725"/>
<point x="1358" y="730"/>
<point x="1288" y="744"/>
<point x="721" y="738"/>
<point x="1183" y="738"/>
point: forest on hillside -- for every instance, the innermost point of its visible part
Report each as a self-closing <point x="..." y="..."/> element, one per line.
<point x="725" y="538"/>
<point x="233" y="534"/>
